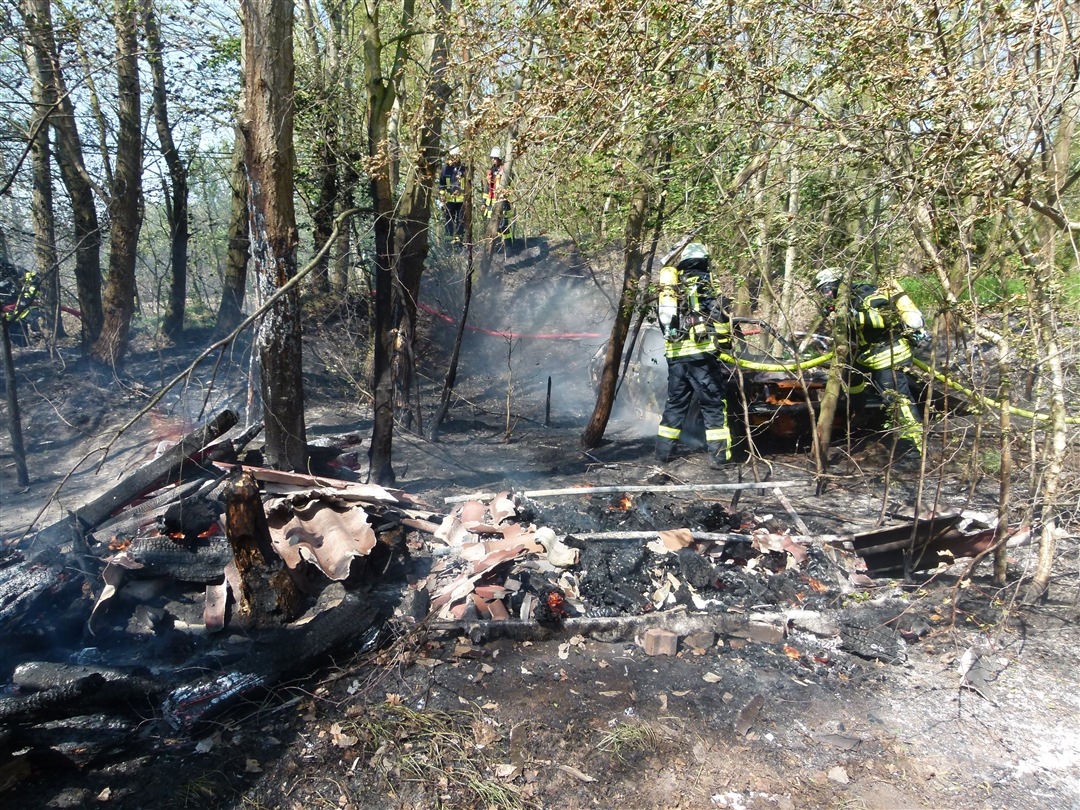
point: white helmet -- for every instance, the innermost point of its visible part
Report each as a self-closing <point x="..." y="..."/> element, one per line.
<point x="695" y="250"/>
<point x="496" y="153"/>
<point x="830" y="275"/>
<point x="455" y="151"/>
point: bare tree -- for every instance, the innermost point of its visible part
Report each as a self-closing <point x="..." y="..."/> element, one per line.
<point x="176" y="207"/>
<point x="234" y="283"/>
<point x="39" y="64"/>
<point x="125" y="201"/>
<point x="267" y="124"/>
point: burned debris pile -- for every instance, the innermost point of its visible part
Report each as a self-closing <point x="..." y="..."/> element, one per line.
<point x="204" y="581"/>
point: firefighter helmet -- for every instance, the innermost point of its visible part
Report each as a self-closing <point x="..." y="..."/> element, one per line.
<point x="496" y="153"/>
<point x="455" y="151"/>
<point x="695" y="250"/>
<point x="830" y="275"/>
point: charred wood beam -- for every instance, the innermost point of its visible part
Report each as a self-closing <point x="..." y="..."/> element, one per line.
<point x="161" y="556"/>
<point x="609" y="629"/>
<point x="43" y="675"/>
<point x="547" y="493"/>
<point x="82" y="739"/>
<point x="180" y="460"/>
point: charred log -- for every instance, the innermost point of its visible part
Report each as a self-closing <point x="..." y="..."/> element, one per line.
<point x="137" y="518"/>
<point x="51" y="703"/>
<point x="82" y="740"/>
<point x="159" y="556"/>
<point x="291" y="652"/>
<point x="267" y="593"/>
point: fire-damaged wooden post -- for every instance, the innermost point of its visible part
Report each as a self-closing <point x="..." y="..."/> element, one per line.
<point x="266" y="594"/>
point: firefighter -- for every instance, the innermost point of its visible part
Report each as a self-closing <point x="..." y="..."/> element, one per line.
<point x="695" y="324"/>
<point x="496" y="198"/>
<point x="884" y="330"/>
<point x="18" y="294"/>
<point x="452" y="196"/>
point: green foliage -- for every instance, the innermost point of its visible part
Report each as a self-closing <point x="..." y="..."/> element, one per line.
<point x="225" y="54"/>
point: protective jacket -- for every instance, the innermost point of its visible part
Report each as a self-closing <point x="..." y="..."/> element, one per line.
<point x="18" y="291"/>
<point x="695" y="326"/>
<point x="693" y="316"/>
<point x="452" y="182"/>
<point x="497" y="200"/>
<point x="882" y="330"/>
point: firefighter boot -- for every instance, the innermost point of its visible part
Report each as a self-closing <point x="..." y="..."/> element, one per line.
<point x="667" y="439"/>
<point x="719" y="455"/>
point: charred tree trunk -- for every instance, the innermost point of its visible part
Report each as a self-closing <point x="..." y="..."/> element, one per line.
<point x="455" y="353"/>
<point x="381" y="96"/>
<point x="234" y="284"/>
<point x="125" y="204"/>
<point x="267" y="594"/>
<point x="322" y="218"/>
<point x="632" y="263"/>
<point x="177" y="206"/>
<point x="18" y="449"/>
<point x="271" y="160"/>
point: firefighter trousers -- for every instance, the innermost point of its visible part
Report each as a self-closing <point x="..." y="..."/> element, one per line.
<point x="902" y="413"/>
<point x="710" y="380"/>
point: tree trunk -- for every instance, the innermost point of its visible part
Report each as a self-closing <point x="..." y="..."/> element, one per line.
<point x="830" y="399"/>
<point x="412" y="231"/>
<point x="125" y="204"/>
<point x="44" y="96"/>
<point x="326" y="203"/>
<point x="172" y="325"/>
<point x="632" y="262"/>
<point x="381" y="97"/>
<point x="69" y="159"/>
<point x="234" y="284"/>
<point x="271" y="161"/>
<point x="18" y="449"/>
<point x="455" y="353"/>
<point x="1056" y="440"/>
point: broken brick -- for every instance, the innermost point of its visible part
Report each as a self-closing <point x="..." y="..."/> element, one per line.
<point x="658" y="641"/>
<point x="701" y="640"/>
<point x="761" y="632"/>
<point x="498" y="610"/>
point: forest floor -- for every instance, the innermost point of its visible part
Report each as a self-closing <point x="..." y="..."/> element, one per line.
<point x="436" y="720"/>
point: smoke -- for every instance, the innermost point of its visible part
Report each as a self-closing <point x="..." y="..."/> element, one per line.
<point x="541" y="315"/>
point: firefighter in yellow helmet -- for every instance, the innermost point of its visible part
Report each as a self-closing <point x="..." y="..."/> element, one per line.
<point x="884" y="330"/>
<point x="695" y="324"/>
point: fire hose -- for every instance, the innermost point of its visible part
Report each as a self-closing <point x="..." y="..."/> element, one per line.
<point x="789" y="368"/>
<point x="982" y="399"/>
<point x="813" y="362"/>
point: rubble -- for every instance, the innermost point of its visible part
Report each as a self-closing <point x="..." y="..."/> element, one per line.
<point x="222" y="580"/>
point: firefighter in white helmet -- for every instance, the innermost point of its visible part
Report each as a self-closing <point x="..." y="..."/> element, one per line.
<point x="497" y="198"/>
<point x="884" y="329"/>
<point x="694" y="319"/>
